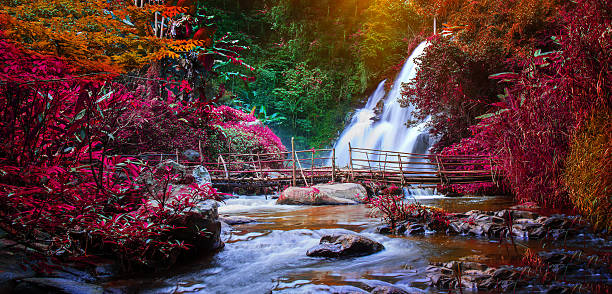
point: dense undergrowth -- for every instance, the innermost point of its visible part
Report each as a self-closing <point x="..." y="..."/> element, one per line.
<point x="514" y="81"/>
<point x="589" y="169"/>
<point x="66" y="187"/>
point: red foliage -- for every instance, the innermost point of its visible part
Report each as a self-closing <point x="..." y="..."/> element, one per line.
<point x="545" y="102"/>
<point x="58" y="186"/>
<point x="453" y="87"/>
<point x="391" y="203"/>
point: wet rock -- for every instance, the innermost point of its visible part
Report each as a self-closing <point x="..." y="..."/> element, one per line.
<point x="442" y="281"/>
<point x="503" y="274"/>
<point x="388" y="290"/>
<point x="465" y="265"/>
<point x="527" y="205"/>
<point x="458" y="227"/>
<point x="344" y="245"/>
<point x="537" y="233"/>
<point x="415" y="229"/>
<point x="73" y="274"/>
<point x="201" y="175"/>
<point x="526" y="221"/>
<point x="384" y="229"/>
<point x="200" y="227"/>
<point x="237" y="220"/>
<point x="498" y="231"/>
<point x="346" y="290"/>
<point x="553" y="222"/>
<point x="401" y="228"/>
<point x="56" y="285"/>
<point x="370" y="285"/>
<point x="555" y="257"/>
<point x="519" y="231"/>
<point x="328" y="194"/>
<point x="517" y="214"/>
<point x="559" y="289"/>
<point x="13" y="267"/>
<point x="476" y="230"/>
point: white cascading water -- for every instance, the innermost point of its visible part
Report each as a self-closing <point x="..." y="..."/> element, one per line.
<point x="389" y="131"/>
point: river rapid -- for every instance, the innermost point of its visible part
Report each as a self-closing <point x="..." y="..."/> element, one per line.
<point x="269" y="256"/>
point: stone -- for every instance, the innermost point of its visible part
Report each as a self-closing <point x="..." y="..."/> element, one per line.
<point x="524" y="221"/>
<point x="458" y="227"/>
<point x="465" y="265"/>
<point x="519" y="231"/>
<point x="176" y="168"/>
<point x="555" y="257"/>
<point x="327" y="194"/>
<point x="527" y="205"/>
<point x="237" y="220"/>
<point x="503" y="274"/>
<point x="388" y="290"/>
<point x="553" y="222"/>
<point x="200" y="227"/>
<point x="56" y="285"/>
<point x="344" y="245"/>
<point x="346" y="290"/>
<point x="201" y="175"/>
<point x="516" y="214"/>
<point x="192" y="155"/>
<point x="476" y="230"/>
<point x="384" y="229"/>
<point x="537" y="233"/>
<point x="497" y="220"/>
<point x="415" y="229"/>
<point x="497" y="231"/>
<point x="559" y="289"/>
<point x="401" y="228"/>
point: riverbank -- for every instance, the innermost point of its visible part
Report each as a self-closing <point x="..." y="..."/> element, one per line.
<point x="269" y="255"/>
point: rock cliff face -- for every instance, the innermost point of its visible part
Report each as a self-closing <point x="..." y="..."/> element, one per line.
<point x="327" y="194"/>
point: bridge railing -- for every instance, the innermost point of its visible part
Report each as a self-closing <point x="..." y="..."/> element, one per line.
<point x="426" y="169"/>
<point x="309" y="167"/>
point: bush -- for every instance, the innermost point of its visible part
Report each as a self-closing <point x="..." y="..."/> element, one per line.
<point x="529" y="134"/>
<point x="60" y="190"/>
<point x="588" y="174"/>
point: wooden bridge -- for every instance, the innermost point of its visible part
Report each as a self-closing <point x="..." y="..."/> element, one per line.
<point x="310" y="167"/>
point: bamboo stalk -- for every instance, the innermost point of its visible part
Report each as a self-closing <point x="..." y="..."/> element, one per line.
<point x="334" y="165"/>
<point x="399" y="157"/>
<point x="293" y="160"/>
<point x="312" y="167"/>
<point x="351" y="161"/>
<point x="302" y="171"/>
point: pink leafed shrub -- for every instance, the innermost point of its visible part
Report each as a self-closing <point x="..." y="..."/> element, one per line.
<point x="530" y="133"/>
<point x="154" y="125"/>
<point x="61" y="191"/>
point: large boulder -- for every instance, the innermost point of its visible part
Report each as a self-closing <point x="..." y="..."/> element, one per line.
<point x="344" y="245"/>
<point x="327" y="194"/>
<point x="200" y="227"/>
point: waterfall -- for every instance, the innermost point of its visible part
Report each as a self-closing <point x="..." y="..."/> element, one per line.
<point x="385" y="129"/>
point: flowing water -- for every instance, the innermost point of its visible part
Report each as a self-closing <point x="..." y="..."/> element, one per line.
<point x="269" y="256"/>
<point x="386" y="130"/>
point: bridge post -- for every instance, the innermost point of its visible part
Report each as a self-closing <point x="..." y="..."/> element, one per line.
<point x="200" y="149"/>
<point x="401" y="167"/>
<point x="293" y="162"/>
<point x="334" y="165"/>
<point x="351" y="162"/>
<point x="312" y="167"/>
